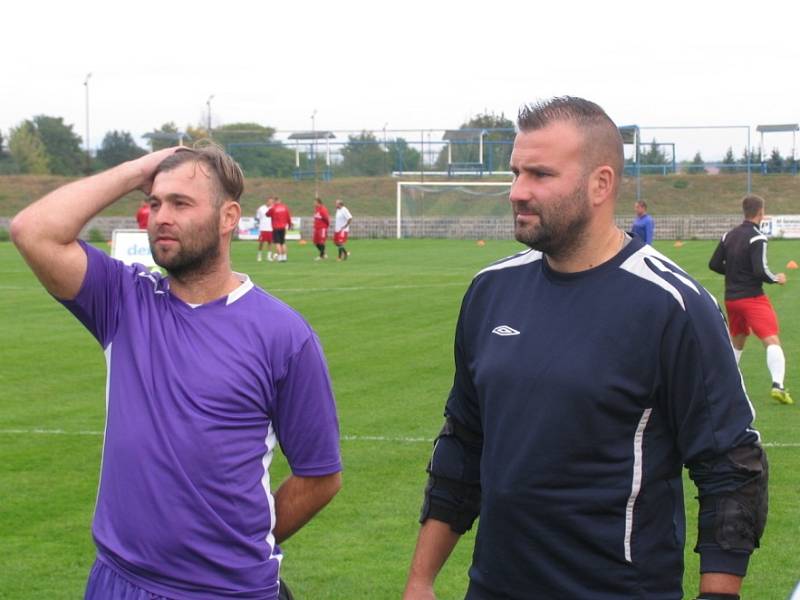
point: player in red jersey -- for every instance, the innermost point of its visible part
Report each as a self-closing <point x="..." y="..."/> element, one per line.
<point x="281" y="221"/>
<point x="322" y="220"/>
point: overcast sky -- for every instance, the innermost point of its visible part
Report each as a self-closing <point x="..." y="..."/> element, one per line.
<point x="410" y="64"/>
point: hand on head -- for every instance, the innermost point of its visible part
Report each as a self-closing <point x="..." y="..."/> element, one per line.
<point x="148" y="164"/>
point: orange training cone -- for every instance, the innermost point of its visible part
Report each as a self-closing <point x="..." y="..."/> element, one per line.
<point x="791" y="265"/>
<point x="678" y="244"/>
<point x="481" y="243"/>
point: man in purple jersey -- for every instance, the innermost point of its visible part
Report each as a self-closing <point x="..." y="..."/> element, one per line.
<point x="206" y="374"/>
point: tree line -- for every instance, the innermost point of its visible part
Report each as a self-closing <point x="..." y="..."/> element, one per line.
<point x="653" y="156"/>
<point x="47" y="145"/>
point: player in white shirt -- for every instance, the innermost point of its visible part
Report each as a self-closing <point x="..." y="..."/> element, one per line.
<point x="341" y="228"/>
<point x="264" y="230"/>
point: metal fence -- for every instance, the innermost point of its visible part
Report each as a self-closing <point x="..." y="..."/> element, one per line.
<point x="683" y="227"/>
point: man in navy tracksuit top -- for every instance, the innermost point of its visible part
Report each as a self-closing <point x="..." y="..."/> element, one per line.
<point x="589" y="370"/>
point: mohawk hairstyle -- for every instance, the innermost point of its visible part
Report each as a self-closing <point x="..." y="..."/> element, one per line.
<point x="602" y="140"/>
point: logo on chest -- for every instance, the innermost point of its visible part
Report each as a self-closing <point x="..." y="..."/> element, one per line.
<point x="504" y="330"/>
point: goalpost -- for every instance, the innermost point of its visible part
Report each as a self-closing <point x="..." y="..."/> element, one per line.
<point x="451" y="201"/>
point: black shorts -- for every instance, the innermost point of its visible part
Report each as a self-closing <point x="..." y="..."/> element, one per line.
<point x="279" y="236"/>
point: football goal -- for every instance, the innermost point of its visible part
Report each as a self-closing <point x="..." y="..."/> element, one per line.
<point x="457" y="209"/>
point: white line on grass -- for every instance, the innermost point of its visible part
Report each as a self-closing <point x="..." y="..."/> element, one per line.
<point x="346" y="438"/>
<point x="361" y="288"/>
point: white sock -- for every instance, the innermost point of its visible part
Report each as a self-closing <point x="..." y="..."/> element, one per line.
<point x="776" y="363"/>
<point x="738" y="354"/>
<point x="259" y="255"/>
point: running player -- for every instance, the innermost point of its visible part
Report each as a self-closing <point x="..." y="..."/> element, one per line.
<point x="741" y="256"/>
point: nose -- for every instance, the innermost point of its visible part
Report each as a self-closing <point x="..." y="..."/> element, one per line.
<point x="518" y="193"/>
<point x="162" y="214"/>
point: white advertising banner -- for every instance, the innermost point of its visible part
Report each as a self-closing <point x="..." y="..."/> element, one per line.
<point x="781" y="226"/>
<point x="248" y="229"/>
<point x="131" y="246"/>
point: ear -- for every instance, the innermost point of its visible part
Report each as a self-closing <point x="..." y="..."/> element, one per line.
<point x="229" y="216"/>
<point x="602" y="182"/>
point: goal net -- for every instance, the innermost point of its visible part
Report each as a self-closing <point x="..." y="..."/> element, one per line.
<point x="454" y="209"/>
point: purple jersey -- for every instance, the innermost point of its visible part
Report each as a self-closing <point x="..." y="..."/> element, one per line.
<point x="197" y="399"/>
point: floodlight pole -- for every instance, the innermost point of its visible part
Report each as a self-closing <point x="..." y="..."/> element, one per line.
<point x="385" y="147"/>
<point x="208" y="115"/>
<point x="313" y="151"/>
<point x="749" y="160"/>
<point x="88" y="151"/>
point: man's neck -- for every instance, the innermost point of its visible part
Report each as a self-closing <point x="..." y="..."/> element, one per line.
<point x="204" y="287"/>
<point x="603" y="246"/>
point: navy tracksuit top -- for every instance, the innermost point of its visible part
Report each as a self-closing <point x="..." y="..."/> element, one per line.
<point x="591" y="391"/>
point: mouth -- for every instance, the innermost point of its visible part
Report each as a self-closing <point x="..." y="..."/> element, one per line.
<point x="526" y="216"/>
<point x="165" y="241"/>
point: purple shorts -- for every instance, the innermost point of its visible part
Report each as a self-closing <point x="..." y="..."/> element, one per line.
<point x="106" y="584"/>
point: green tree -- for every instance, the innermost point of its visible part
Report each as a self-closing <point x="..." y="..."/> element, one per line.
<point x="28" y="150"/>
<point x="63" y="146"/>
<point x="697" y="166"/>
<point x="753" y="157"/>
<point x="363" y="155"/>
<point x="728" y="162"/>
<point x="196" y="133"/>
<point x="7" y="165"/>
<point x="498" y="142"/>
<point x="654" y="155"/>
<point x="255" y="149"/>
<point x="775" y="162"/>
<point x="402" y="157"/>
<point x="118" y="147"/>
<point x="165" y="136"/>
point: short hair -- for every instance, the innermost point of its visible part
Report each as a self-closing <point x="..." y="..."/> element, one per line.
<point x="602" y="140"/>
<point x="216" y="163"/>
<point x="751" y="205"/>
<point x="642" y="203"/>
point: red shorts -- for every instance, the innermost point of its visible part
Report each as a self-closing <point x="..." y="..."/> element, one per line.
<point x="320" y="235"/>
<point x="340" y="238"/>
<point x="754" y="314"/>
<point x="265" y="236"/>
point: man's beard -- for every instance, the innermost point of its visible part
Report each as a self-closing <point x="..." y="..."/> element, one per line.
<point x="198" y="250"/>
<point x="561" y="225"/>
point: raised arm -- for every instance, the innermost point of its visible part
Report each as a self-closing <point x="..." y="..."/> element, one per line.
<point x="46" y="232"/>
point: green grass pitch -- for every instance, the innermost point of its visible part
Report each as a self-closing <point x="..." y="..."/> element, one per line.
<point x="386" y="319"/>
